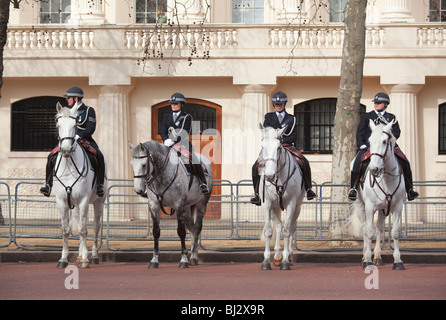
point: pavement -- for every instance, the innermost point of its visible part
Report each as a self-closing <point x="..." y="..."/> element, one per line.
<point x="226" y="256"/>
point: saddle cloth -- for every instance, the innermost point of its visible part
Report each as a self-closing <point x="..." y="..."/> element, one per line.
<point x="397" y="152"/>
<point x="91" y="152"/>
<point x="186" y="159"/>
<point x="297" y="155"/>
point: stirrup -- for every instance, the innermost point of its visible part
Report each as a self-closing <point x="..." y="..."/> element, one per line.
<point x="412" y="195"/>
<point x="46" y="190"/>
<point x="256" y="200"/>
<point x="353" y="194"/>
<point x="204" y="188"/>
<point x="100" y="190"/>
<point x="310" y="194"/>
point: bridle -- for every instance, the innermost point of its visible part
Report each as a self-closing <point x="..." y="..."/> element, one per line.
<point x="149" y="180"/>
<point x="382" y="156"/>
<point x="69" y="189"/>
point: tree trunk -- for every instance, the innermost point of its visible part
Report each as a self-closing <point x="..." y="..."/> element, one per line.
<point x="4" y="18"/>
<point x="347" y="112"/>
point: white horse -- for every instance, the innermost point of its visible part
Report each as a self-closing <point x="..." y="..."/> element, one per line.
<point x="383" y="190"/>
<point x="281" y="187"/>
<point x="74" y="188"/>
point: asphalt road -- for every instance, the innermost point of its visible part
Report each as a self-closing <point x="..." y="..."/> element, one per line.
<point x="224" y="282"/>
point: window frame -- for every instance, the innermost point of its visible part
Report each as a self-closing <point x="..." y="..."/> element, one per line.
<point x="244" y="11"/>
<point x="442" y="129"/>
<point x="437" y="10"/>
<point x="63" y="16"/>
<point x="336" y="15"/>
<point x="159" y="16"/>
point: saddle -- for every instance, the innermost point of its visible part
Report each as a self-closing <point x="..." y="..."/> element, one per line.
<point x="297" y="156"/>
<point x="91" y="152"/>
<point x="186" y="159"/>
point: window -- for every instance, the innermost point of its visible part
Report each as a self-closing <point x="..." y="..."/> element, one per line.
<point x="247" y="11"/>
<point x="437" y="10"/>
<point x="337" y="10"/>
<point x="442" y="129"/>
<point x="151" y="11"/>
<point x="33" y="127"/>
<point x="315" y="125"/>
<point x="55" y="11"/>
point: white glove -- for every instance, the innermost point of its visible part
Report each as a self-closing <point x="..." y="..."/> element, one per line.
<point x="363" y="147"/>
<point x="168" y="143"/>
<point x="76" y="137"/>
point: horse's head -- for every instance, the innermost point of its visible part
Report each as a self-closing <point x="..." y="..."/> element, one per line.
<point x="66" y="128"/>
<point x="271" y="146"/>
<point x="382" y="143"/>
<point x="142" y="168"/>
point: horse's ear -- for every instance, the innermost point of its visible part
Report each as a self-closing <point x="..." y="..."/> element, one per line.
<point x="260" y="126"/>
<point x="58" y="106"/>
<point x="280" y="132"/>
<point x="372" y="124"/>
<point x="131" y="146"/>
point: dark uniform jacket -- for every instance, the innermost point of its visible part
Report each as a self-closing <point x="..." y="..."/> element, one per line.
<point x="86" y="124"/>
<point x="364" y="131"/>
<point x="182" y="126"/>
<point x="290" y="135"/>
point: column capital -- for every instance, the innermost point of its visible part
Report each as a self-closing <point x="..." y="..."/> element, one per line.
<point x="104" y="89"/>
<point x="403" y="88"/>
<point x="256" y="88"/>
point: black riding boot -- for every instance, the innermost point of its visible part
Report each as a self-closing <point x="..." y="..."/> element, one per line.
<point x="407" y="173"/>
<point x="46" y="190"/>
<point x="353" y="193"/>
<point x="200" y="174"/>
<point x="306" y="172"/>
<point x="101" y="173"/>
<point x="255" y="183"/>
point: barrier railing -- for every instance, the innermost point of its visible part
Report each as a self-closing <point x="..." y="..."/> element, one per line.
<point x="230" y="215"/>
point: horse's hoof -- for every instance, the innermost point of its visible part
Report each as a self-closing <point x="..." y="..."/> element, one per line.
<point x="79" y="259"/>
<point x="277" y="262"/>
<point x="95" y="261"/>
<point x="183" y="265"/>
<point x="266" y="266"/>
<point x="62" y="265"/>
<point x="285" y="266"/>
<point x="398" y="266"/>
<point x="193" y="262"/>
<point x="378" y="262"/>
<point x="365" y="264"/>
<point x="85" y="265"/>
<point x="154" y="265"/>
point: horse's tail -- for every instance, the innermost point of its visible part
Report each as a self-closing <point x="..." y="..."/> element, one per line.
<point x="356" y="219"/>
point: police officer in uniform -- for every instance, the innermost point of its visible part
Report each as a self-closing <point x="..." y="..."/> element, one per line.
<point x="381" y="101"/>
<point x="176" y="127"/>
<point x="279" y="119"/>
<point x="86" y="126"/>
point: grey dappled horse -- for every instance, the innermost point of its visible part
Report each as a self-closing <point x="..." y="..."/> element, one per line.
<point x="159" y="175"/>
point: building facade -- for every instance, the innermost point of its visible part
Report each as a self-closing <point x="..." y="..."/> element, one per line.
<point x="227" y="57"/>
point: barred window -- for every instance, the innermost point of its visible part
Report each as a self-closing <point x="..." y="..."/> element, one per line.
<point x="32" y="124"/>
<point x="315" y="125"/>
<point x="337" y="8"/>
<point x="151" y="11"/>
<point x="437" y="10"/>
<point x="55" y="11"/>
<point x="442" y="128"/>
<point x="247" y="11"/>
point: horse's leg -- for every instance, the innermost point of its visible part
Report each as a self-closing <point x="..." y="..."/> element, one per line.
<point x="181" y="230"/>
<point x="195" y="229"/>
<point x="82" y="227"/>
<point x="293" y="230"/>
<point x="278" y="258"/>
<point x="267" y="233"/>
<point x="98" y="211"/>
<point x="397" y="262"/>
<point x="154" y="263"/>
<point x="64" y="216"/>
<point x="377" y="260"/>
<point x="368" y="235"/>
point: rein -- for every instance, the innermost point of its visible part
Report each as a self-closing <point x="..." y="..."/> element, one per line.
<point x="280" y="189"/>
<point x="149" y="180"/>
<point x="389" y="196"/>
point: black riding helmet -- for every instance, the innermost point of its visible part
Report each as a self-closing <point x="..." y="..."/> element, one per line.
<point x="74" y="92"/>
<point x="279" y="98"/>
<point x="177" y="97"/>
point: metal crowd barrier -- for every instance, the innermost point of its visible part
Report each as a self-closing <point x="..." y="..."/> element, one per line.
<point x="230" y="215"/>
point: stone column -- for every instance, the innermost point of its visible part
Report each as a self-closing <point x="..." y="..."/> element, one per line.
<point x="403" y="103"/>
<point x="113" y="124"/>
<point x="396" y="11"/>
<point x="87" y="12"/>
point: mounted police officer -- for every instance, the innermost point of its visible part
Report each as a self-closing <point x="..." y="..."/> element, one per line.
<point x="86" y="126"/>
<point x="279" y="119"/>
<point x="175" y="128"/>
<point x="363" y="133"/>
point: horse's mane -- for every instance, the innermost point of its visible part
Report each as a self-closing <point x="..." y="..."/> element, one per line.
<point x="377" y="132"/>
